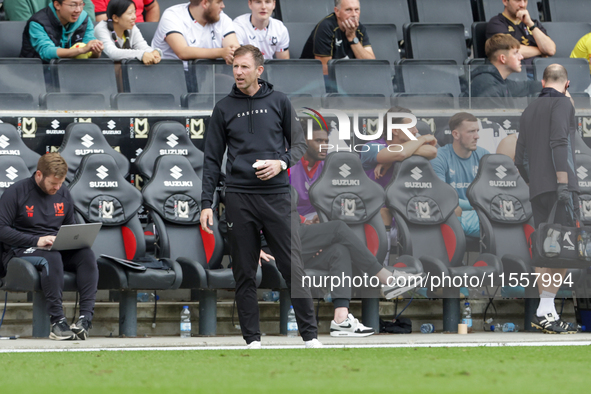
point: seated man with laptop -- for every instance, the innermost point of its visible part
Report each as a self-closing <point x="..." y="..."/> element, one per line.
<point x="32" y="211"/>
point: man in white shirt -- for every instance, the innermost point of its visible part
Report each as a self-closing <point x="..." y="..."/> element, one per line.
<point x="196" y="30"/>
<point x="261" y="30"/>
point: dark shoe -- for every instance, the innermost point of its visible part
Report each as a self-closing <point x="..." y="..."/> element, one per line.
<point x="569" y="327"/>
<point x="81" y="327"/>
<point x="548" y="324"/>
<point x="61" y="332"/>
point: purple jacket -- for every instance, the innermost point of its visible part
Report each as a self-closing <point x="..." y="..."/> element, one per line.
<point x="301" y="182"/>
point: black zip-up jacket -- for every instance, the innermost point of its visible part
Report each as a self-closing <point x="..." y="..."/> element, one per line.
<point x="28" y="213"/>
<point x="547" y="142"/>
<point x="263" y="126"/>
<point x="486" y="81"/>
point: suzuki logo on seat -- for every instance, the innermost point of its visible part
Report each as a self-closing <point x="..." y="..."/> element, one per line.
<point x="416" y="173"/>
<point x="4" y="141"/>
<point x="55" y="124"/>
<point x="344" y="170"/>
<point x="102" y="172"/>
<point x="111" y="124"/>
<point x="501" y="172"/>
<point x="176" y="172"/>
<point x="582" y="172"/>
<point x="87" y="141"/>
<point x="172" y="140"/>
<point x="11" y="173"/>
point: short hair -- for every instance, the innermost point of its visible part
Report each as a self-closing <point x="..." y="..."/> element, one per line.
<point x="52" y="164"/>
<point x="460" y="117"/>
<point x="58" y="1"/>
<point x="254" y="51"/>
<point x="499" y="42"/>
<point x="196" y="2"/>
<point x="555" y="73"/>
<point x="118" y="7"/>
<point x="394" y="110"/>
<point x="337" y="3"/>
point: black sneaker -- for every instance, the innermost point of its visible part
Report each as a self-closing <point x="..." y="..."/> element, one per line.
<point x="81" y="327"/>
<point x="548" y="324"/>
<point x="61" y="332"/>
<point x="570" y="328"/>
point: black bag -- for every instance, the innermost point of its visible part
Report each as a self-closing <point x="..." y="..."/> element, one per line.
<point x="402" y="325"/>
<point x="140" y="264"/>
<point x="557" y="246"/>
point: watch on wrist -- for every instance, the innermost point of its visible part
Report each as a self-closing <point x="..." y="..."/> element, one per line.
<point x="283" y="165"/>
<point x="355" y="41"/>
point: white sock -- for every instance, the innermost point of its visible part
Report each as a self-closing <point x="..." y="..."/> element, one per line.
<point x="547" y="304"/>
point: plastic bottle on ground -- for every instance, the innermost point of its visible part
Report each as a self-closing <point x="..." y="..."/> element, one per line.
<point x="185" y="322"/>
<point x="292" y="324"/>
<point x="467" y="316"/>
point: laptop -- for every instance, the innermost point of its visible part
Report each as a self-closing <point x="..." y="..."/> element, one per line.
<point x="74" y="236"/>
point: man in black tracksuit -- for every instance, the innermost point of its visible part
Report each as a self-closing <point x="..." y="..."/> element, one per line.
<point x="31" y="213"/>
<point x="545" y="157"/>
<point x="257" y="124"/>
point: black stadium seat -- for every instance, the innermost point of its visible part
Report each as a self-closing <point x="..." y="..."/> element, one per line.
<point x="583" y="170"/>
<point x="12" y="169"/>
<point x="435" y="41"/>
<point x="81" y="139"/>
<point x="566" y="35"/>
<point x="168" y="137"/>
<point x="309" y="11"/>
<point x="141" y="81"/>
<point x="567" y="10"/>
<point x="173" y="195"/>
<point x="11" y="144"/>
<point x="212" y="80"/>
<point x="357" y="201"/>
<point x="164" y="4"/>
<point x="82" y="81"/>
<point x="428" y="229"/>
<point x="11" y="38"/>
<point x="235" y="8"/>
<point x="384" y="41"/>
<point x="361" y="83"/>
<point x="22" y="83"/>
<point x="298" y="35"/>
<point x="427" y="83"/>
<point x="391" y="11"/>
<point x="102" y="195"/>
<point x="446" y="11"/>
<point x="148" y="29"/>
<point x="301" y="80"/>
<point x="479" y="39"/>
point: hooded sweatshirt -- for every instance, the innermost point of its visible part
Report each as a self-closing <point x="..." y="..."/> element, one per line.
<point x="486" y="81"/>
<point x="263" y="126"/>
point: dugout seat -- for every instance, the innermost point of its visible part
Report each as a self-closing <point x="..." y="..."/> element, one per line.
<point x="102" y="194"/>
<point x="428" y="229"/>
<point x="11" y="144"/>
<point x="173" y="196"/>
<point x="583" y="169"/>
<point x="81" y="139"/>
<point x="12" y="169"/>
<point x="344" y="192"/>
<point x="168" y="137"/>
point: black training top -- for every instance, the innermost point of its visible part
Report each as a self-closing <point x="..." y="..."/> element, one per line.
<point x="28" y="213"/>
<point x="262" y="126"/>
<point x="327" y="39"/>
<point x="522" y="33"/>
<point x="546" y="142"/>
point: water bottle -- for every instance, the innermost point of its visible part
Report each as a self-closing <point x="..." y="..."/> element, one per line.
<point x="582" y="244"/>
<point x="272" y="296"/>
<point x="185" y="322"/>
<point x="551" y="246"/>
<point x="510" y="327"/>
<point x="292" y="324"/>
<point x="496" y="327"/>
<point x="467" y="316"/>
<point x="427" y="328"/>
<point x="328" y="297"/>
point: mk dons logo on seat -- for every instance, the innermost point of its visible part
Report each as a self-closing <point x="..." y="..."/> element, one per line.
<point x="106" y="209"/>
<point x="28" y="126"/>
<point x="140" y="127"/>
<point x="182" y="209"/>
<point x="348" y="207"/>
<point x="424" y="210"/>
<point x="586" y="208"/>
<point x="508" y="209"/>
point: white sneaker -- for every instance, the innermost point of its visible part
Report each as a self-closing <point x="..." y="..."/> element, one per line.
<point x="405" y="280"/>
<point x="313" y="344"/>
<point x="350" y="327"/>
<point x="254" y="345"/>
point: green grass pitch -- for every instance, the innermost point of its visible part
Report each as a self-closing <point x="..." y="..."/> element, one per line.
<point x="307" y="371"/>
